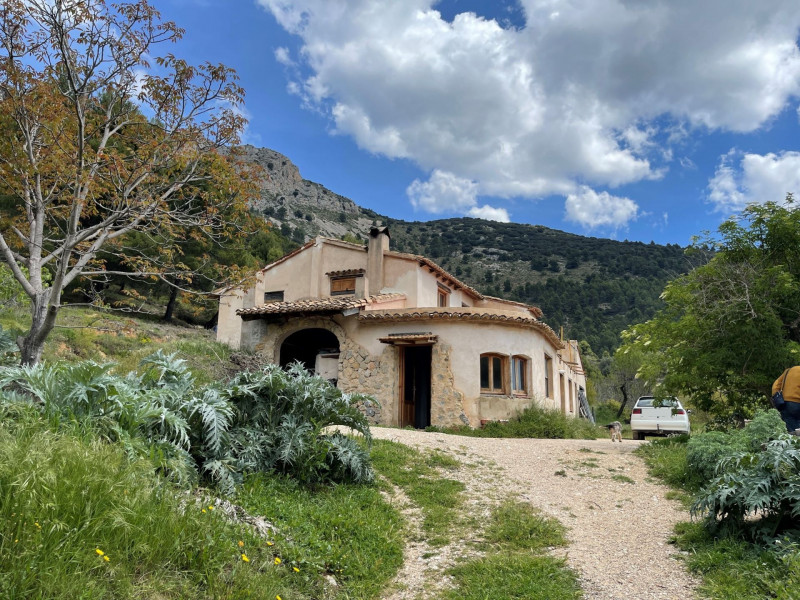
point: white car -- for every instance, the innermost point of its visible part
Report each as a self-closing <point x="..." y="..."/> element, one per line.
<point x="652" y="417"/>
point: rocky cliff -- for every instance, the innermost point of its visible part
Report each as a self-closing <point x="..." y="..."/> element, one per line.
<point x="306" y="208"/>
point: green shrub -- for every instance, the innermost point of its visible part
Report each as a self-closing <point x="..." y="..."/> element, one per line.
<point x="261" y="421"/>
<point x="766" y="425"/>
<point x="281" y="418"/>
<point x="707" y="451"/>
<point x="763" y="484"/>
<point x="533" y="422"/>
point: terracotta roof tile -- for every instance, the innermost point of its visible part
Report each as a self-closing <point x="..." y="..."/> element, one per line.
<point x="468" y="314"/>
<point x="316" y="305"/>
<point x="410" y="338"/>
<point x="346" y="272"/>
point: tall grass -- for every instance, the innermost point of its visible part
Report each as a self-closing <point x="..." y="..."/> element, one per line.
<point x="90" y="333"/>
<point x="533" y="422"/>
<point x="65" y="500"/>
<point x="346" y="530"/>
<point x="64" y="497"/>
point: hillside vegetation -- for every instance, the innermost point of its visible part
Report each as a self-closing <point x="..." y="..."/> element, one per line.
<point x="593" y="287"/>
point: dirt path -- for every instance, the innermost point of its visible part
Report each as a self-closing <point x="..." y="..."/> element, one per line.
<point x="619" y="519"/>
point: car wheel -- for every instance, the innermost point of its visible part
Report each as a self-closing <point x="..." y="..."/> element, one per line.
<point x="637" y="435"/>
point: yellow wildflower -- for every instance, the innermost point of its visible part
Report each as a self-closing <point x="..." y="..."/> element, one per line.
<point x="244" y="558"/>
<point x="204" y="511"/>
<point x="241" y="544"/>
<point x="99" y="552"/>
<point x="296" y="570"/>
<point x="270" y="544"/>
<point x="278" y="598"/>
<point x="37" y="525"/>
<point x="105" y="558"/>
<point x="277" y="560"/>
<point x="210" y="508"/>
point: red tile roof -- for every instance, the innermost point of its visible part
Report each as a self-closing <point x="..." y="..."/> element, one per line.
<point x="316" y="305"/>
<point x="409" y="338"/>
<point x="346" y="272"/>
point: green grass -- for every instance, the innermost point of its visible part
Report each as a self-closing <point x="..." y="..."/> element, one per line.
<point x="87" y="333"/>
<point x="345" y="530"/>
<point x="622" y="478"/>
<point x="515" y="568"/>
<point x="63" y="498"/>
<point x="517" y="526"/>
<point x="416" y="474"/>
<point x="666" y="460"/>
<point x="533" y="422"/>
<point x="733" y="569"/>
<point x="730" y="568"/>
<point x="511" y="577"/>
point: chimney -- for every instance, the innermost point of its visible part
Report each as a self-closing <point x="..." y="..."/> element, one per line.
<point x="378" y="244"/>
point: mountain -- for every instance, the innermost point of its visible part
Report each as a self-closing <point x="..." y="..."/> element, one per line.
<point x="592" y="287"/>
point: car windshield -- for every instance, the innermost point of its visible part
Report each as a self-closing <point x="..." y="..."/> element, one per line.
<point x="650" y="402"/>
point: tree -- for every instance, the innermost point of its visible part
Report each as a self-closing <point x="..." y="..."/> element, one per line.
<point x="733" y="324"/>
<point x="95" y="145"/>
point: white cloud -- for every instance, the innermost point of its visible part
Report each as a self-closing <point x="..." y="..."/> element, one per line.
<point x="592" y="210"/>
<point x="443" y="193"/>
<point x="756" y="178"/>
<point x="283" y="57"/>
<point x="594" y="92"/>
<point x="490" y="213"/>
<point x="447" y="193"/>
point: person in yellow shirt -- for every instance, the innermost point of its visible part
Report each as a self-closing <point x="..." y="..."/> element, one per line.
<point x="789" y="384"/>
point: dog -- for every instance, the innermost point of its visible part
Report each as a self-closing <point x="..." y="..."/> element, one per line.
<point x="615" y="429"/>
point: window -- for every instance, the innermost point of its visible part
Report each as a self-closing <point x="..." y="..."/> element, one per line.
<point x="343" y="285"/>
<point x="443" y="296"/>
<point x="273" y="297"/>
<point x="493" y="367"/>
<point x="548" y="376"/>
<point x="519" y="375"/>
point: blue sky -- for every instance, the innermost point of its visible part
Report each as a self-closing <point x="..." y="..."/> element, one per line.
<point x="651" y="120"/>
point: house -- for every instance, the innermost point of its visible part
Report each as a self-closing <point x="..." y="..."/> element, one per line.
<point x="431" y="349"/>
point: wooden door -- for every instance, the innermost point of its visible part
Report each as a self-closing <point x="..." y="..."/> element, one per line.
<point x="415" y="386"/>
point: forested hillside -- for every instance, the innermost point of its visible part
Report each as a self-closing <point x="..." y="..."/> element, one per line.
<point x="593" y="287"/>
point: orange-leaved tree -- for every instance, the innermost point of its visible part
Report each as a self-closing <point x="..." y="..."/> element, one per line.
<point x="101" y="138"/>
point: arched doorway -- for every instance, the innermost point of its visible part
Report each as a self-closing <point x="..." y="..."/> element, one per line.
<point x="316" y="348"/>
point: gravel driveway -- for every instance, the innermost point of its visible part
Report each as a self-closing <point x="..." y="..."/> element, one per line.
<point x="618" y="518"/>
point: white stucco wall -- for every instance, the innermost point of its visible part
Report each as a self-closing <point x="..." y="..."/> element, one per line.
<point x="467" y="341"/>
